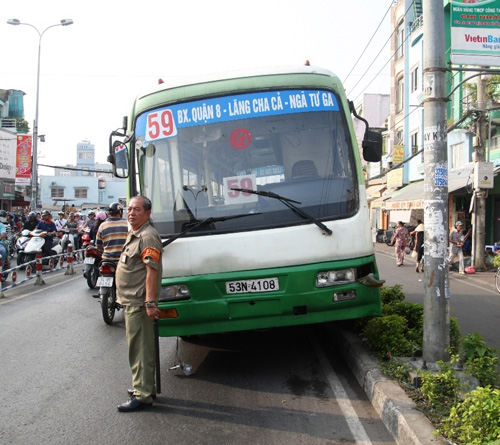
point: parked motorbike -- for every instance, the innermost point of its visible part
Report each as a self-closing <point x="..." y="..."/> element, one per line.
<point x="35" y="244"/>
<point x="21" y="243"/>
<point x="92" y="259"/>
<point x="107" y="290"/>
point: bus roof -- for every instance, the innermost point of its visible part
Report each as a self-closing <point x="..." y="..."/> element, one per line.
<point x="194" y="87"/>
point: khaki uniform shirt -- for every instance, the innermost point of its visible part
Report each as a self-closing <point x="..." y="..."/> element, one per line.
<point x="141" y="248"/>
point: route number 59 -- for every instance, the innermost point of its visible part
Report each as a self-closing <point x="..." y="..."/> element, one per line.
<point x="242" y="182"/>
<point x="160" y="125"/>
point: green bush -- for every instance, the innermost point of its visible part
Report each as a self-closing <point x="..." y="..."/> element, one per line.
<point x="476" y="420"/>
<point x="440" y="388"/>
<point x="386" y="336"/>
<point x="480" y="360"/>
<point x="413" y="313"/>
<point x="391" y="294"/>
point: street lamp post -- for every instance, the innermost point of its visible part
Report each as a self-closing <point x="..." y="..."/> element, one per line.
<point x="34" y="162"/>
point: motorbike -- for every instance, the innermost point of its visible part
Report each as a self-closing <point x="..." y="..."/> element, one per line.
<point x="92" y="259"/>
<point x="35" y="244"/>
<point x="66" y="239"/>
<point x="107" y="290"/>
<point x="85" y="239"/>
<point x="21" y="243"/>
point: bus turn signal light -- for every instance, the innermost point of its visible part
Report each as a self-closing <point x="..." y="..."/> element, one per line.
<point x="168" y="313"/>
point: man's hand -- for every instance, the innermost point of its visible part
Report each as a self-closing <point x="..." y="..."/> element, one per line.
<point x="153" y="313"/>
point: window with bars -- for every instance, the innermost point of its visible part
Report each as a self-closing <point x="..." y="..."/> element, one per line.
<point x="57" y="192"/>
<point x="81" y="193"/>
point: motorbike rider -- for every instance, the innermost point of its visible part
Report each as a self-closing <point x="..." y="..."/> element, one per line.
<point x="100" y="217"/>
<point x="31" y="222"/>
<point x="72" y="225"/>
<point x="89" y="224"/>
<point x="112" y="233"/>
<point x="3" y="240"/>
<point x="60" y="221"/>
<point x="48" y="226"/>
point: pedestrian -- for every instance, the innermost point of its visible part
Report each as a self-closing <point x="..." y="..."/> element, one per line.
<point x="138" y="282"/>
<point x="401" y="239"/>
<point x="112" y="233"/>
<point x="467" y="246"/>
<point x="419" y="245"/>
<point x="456" y="243"/>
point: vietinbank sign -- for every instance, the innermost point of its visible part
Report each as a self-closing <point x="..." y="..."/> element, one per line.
<point x="165" y="122"/>
<point x="475" y="32"/>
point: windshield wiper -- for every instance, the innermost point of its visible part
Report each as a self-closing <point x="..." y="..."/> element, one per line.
<point x="290" y="203"/>
<point x="204" y="222"/>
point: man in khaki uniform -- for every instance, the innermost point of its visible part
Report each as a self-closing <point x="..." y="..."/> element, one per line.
<point x="138" y="283"/>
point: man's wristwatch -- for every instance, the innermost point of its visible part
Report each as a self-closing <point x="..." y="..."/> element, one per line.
<point x="150" y="304"/>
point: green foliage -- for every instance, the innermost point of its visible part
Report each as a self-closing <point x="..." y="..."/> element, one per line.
<point x="480" y="360"/>
<point x="396" y="369"/>
<point x="413" y="313"/>
<point x="440" y="388"/>
<point x="473" y="346"/>
<point x="476" y="420"/>
<point x="391" y="294"/>
<point x="496" y="260"/>
<point x="454" y="334"/>
<point x="22" y="125"/>
<point x="387" y="336"/>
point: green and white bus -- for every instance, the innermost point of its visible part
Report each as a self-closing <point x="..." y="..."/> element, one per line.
<point x="258" y="193"/>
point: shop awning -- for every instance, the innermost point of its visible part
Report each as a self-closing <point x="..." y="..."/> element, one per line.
<point x="460" y="178"/>
<point x="374" y="191"/>
<point x="407" y="198"/>
<point x="379" y="202"/>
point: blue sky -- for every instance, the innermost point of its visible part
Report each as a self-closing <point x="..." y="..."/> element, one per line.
<point x="92" y="70"/>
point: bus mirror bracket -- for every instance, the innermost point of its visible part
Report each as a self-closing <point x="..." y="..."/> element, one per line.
<point x="372" y="140"/>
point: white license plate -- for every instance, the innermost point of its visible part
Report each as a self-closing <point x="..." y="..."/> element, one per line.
<point x="105" y="281"/>
<point x="246" y="286"/>
<point x="89" y="260"/>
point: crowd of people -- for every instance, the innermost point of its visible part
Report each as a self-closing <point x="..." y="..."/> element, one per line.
<point x="68" y="220"/>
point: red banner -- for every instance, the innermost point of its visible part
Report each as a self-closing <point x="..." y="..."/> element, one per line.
<point x="23" y="160"/>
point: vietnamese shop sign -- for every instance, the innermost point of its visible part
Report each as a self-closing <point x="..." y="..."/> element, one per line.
<point x="475" y="32"/>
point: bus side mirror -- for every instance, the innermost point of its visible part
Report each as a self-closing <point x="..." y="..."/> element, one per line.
<point x="118" y="157"/>
<point x="372" y="146"/>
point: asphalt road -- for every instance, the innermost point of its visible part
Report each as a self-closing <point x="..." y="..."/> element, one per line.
<point x="64" y="372"/>
<point x="474" y="300"/>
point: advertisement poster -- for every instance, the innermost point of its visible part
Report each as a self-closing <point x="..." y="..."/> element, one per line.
<point x="23" y="160"/>
<point x="7" y="155"/>
<point x="475" y="32"/>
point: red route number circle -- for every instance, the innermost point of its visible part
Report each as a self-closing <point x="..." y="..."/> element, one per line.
<point x="240" y="138"/>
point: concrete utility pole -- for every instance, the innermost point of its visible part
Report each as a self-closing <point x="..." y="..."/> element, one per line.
<point x="479" y="219"/>
<point x="436" y="298"/>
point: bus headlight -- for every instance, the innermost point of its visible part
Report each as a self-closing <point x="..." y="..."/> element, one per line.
<point x="335" y="277"/>
<point x="175" y="292"/>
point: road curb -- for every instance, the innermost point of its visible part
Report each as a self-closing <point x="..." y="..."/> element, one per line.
<point x="399" y="413"/>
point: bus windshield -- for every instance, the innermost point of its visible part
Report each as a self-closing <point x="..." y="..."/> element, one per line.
<point x="189" y="158"/>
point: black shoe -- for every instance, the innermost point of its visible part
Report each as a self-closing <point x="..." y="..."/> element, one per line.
<point x="130" y="392"/>
<point x="133" y="405"/>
